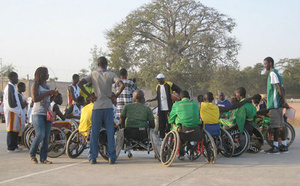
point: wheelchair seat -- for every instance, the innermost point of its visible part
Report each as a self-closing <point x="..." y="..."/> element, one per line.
<point x="213" y="129"/>
<point x="191" y="133"/>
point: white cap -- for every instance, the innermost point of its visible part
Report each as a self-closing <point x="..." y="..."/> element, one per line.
<point x="160" y="76"/>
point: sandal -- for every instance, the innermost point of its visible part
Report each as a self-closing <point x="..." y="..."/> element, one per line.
<point x="33" y="160"/>
<point x="45" y="162"/>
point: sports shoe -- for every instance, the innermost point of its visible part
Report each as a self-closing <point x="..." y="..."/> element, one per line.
<point x="93" y="161"/>
<point x="110" y="161"/>
<point x="181" y="157"/>
<point x="34" y="160"/>
<point x="283" y="149"/>
<point x="45" y="162"/>
<point x="15" y="150"/>
<point x="273" y="150"/>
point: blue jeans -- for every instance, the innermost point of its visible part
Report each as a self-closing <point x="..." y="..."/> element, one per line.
<point x="42" y="129"/>
<point x="100" y="117"/>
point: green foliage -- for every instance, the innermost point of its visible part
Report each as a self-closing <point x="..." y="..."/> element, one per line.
<point x="183" y="39"/>
<point x="6" y="69"/>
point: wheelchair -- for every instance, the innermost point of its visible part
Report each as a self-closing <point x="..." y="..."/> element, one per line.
<point x="222" y="139"/>
<point x="196" y="142"/>
<point x="138" y="139"/>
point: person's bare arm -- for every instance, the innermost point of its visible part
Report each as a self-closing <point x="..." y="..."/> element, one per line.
<point x="150" y="100"/>
<point x="121" y="85"/>
<point x="91" y="97"/>
<point x="58" y="112"/>
<point x="71" y="91"/>
<point x="281" y="94"/>
<point x="36" y="97"/>
<point x="122" y="121"/>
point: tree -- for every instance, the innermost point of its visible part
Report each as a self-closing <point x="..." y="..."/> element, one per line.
<point x="183" y="39"/>
<point x="96" y="53"/>
<point x="83" y="72"/>
<point x="6" y="69"/>
<point x="53" y="79"/>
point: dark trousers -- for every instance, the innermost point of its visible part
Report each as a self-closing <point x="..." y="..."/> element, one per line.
<point x="12" y="140"/>
<point x="163" y="123"/>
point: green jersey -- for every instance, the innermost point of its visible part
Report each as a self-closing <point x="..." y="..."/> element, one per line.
<point x="273" y="97"/>
<point x="186" y="113"/>
<point x="245" y="112"/>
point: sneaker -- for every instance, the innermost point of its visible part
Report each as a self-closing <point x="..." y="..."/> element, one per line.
<point x="15" y="150"/>
<point x="181" y="157"/>
<point x="45" y="162"/>
<point x="93" y="161"/>
<point x="33" y="160"/>
<point x="110" y="161"/>
<point x="273" y="150"/>
<point x="283" y="149"/>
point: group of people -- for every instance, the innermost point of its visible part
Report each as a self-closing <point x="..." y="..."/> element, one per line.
<point x="102" y="87"/>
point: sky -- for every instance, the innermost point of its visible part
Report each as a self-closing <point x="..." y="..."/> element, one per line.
<point x="59" y="34"/>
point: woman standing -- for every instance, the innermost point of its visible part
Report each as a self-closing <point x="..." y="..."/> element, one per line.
<point x="41" y="93"/>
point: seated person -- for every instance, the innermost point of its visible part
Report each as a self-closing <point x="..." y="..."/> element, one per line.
<point x="54" y="106"/>
<point x="86" y="119"/>
<point x="136" y="115"/>
<point x="210" y="114"/>
<point x="261" y="105"/>
<point x="184" y="117"/>
<point x="74" y="110"/>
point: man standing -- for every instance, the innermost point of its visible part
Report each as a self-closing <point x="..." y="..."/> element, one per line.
<point x="102" y="80"/>
<point x="126" y="95"/>
<point x="275" y="103"/>
<point x="164" y="90"/>
<point x="73" y="90"/>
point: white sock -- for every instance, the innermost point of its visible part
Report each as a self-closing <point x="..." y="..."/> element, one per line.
<point x="275" y="143"/>
<point x="284" y="143"/>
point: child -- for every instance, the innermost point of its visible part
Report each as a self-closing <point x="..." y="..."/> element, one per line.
<point x="57" y="100"/>
<point x="23" y="102"/>
<point x="12" y="112"/>
<point x="74" y="110"/>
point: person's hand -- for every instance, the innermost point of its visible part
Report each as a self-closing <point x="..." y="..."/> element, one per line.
<point x="285" y="105"/>
<point x="92" y="98"/>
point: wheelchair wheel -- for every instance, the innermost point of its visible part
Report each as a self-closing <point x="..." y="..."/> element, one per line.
<point x="26" y="136"/>
<point x="289" y="132"/>
<point x="209" y="148"/>
<point x="75" y="144"/>
<point x="156" y="143"/>
<point x="103" y="144"/>
<point x="24" y="133"/>
<point x="169" y="148"/>
<point x="256" y="141"/>
<point x="225" y="144"/>
<point x="119" y="141"/>
<point x="29" y="138"/>
<point x="57" y="142"/>
<point x="241" y="141"/>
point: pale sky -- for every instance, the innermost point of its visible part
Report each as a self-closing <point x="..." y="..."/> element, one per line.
<point x="59" y="34"/>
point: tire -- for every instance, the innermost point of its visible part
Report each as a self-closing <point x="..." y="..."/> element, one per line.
<point x="226" y="144"/>
<point x="256" y="141"/>
<point x="25" y="135"/>
<point x="103" y="144"/>
<point x="241" y="141"/>
<point x="209" y="148"/>
<point x="156" y="143"/>
<point x="290" y="134"/>
<point x="57" y="142"/>
<point x="119" y="141"/>
<point x="75" y="144"/>
<point x="169" y="148"/>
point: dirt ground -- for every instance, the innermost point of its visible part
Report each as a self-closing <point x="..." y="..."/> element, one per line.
<point x="296" y="122"/>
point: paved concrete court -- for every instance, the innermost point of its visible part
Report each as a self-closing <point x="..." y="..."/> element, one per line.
<point x="143" y="169"/>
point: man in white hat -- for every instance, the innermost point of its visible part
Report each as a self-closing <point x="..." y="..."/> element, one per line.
<point x="164" y="91"/>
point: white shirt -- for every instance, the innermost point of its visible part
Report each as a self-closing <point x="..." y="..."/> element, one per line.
<point x="163" y="99"/>
<point x="274" y="78"/>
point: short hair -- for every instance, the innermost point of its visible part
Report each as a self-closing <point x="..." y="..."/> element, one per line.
<point x="200" y="98"/>
<point x="210" y="96"/>
<point x="20" y="85"/>
<point x="184" y="94"/>
<point x="75" y="76"/>
<point x="269" y="60"/>
<point x="102" y="62"/>
<point x="11" y="75"/>
<point x="123" y="72"/>
<point x="242" y="91"/>
<point x="257" y="96"/>
<point x="222" y="93"/>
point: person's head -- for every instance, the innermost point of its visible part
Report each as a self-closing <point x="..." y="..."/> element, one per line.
<point x="240" y="93"/>
<point x="41" y="75"/>
<point x="184" y="94"/>
<point x="102" y="62"/>
<point x="113" y="98"/>
<point x="200" y="98"/>
<point x="13" y="77"/>
<point x="160" y="78"/>
<point x="233" y="99"/>
<point x="80" y="100"/>
<point x="256" y="99"/>
<point x="138" y="96"/>
<point x="21" y="87"/>
<point x="269" y="63"/>
<point x="221" y="96"/>
<point x="134" y="80"/>
<point x="75" y="78"/>
<point x="123" y="73"/>
<point x="209" y="97"/>
<point x="58" y="99"/>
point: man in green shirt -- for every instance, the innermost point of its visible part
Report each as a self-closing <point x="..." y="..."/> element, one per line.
<point x="275" y="103"/>
<point x="244" y="115"/>
<point x="136" y="114"/>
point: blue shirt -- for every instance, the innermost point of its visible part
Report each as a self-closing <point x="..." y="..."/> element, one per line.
<point x="224" y="103"/>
